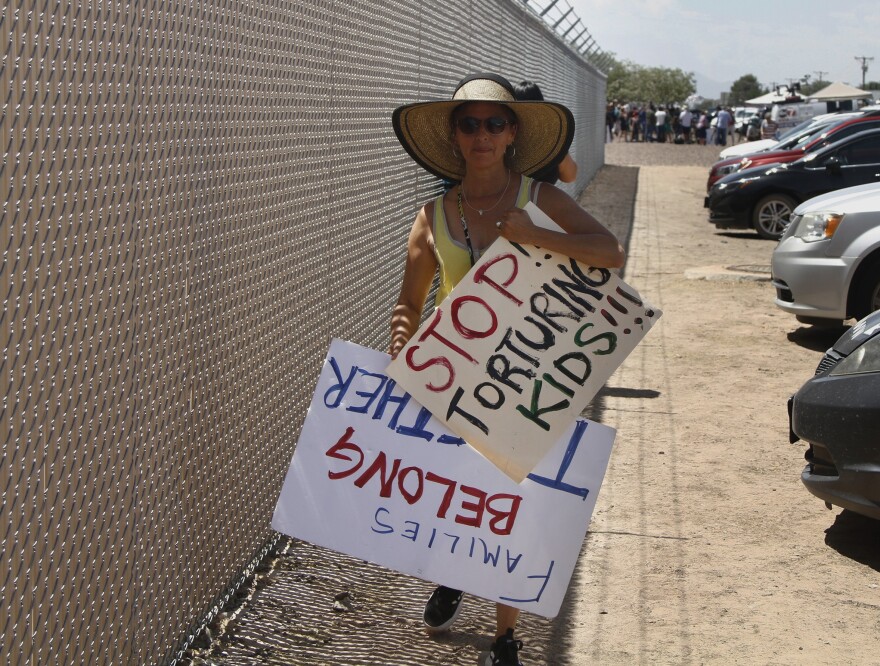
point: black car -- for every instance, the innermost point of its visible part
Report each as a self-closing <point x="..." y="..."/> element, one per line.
<point x="763" y="198"/>
<point x="837" y="413"/>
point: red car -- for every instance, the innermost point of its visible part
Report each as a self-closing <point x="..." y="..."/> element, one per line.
<point x="824" y="137"/>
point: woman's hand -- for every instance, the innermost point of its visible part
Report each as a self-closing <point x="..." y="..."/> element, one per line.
<point x="584" y="238"/>
<point x="515" y="225"/>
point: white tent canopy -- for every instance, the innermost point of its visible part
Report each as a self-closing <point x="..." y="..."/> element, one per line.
<point x="771" y="97"/>
<point x="839" y="91"/>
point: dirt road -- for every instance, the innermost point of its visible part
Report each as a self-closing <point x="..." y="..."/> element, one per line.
<point x="705" y="547"/>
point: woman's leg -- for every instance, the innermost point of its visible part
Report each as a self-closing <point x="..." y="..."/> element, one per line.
<point x="505" y="618"/>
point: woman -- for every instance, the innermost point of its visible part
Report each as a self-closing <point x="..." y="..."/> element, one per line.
<point x="487" y="141"/>
<point x="702" y="127"/>
<point x="566" y="170"/>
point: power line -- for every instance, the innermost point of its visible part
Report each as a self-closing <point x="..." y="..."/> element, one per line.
<point x="865" y="60"/>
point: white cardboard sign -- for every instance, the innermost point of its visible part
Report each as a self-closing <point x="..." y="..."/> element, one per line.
<point x="375" y="476"/>
<point x="510" y="359"/>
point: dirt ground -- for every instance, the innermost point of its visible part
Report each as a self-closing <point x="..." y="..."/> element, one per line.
<point x="705" y="547"/>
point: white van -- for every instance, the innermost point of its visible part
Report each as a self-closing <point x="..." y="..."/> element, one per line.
<point x="788" y="115"/>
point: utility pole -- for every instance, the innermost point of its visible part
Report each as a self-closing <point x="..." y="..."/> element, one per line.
<point x="819" y="75"/>
<point x="865" y="60"/>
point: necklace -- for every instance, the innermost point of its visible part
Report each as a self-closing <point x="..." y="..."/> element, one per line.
<point x="464" y="228"/>
<point x="480" y="211"/>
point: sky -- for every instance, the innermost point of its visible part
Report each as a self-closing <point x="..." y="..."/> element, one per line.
<point x="776" y="40"/>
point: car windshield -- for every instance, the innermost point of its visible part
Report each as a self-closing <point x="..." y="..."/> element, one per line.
<point x="797" y="130"/>
<point x="805" y="135"/>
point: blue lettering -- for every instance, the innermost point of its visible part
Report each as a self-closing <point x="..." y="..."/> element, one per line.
<point x="511" y="567"/>
<point x="387" y="397"/>
<point x="388" y="529"/>
<point x="536" y="599"/>
<point x="451" y="439"/>
<point x="340" y="387"/>
<point x="490" y="557"/>
<point x="411" y="533"/>
<point x="557" y="483"/>
<point x="370" y="395"/>
<point x="418" y="428"/>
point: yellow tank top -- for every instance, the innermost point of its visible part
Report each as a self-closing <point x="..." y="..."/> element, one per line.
<point x="452" y="256"/>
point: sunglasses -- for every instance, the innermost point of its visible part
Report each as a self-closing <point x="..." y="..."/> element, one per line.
<point x="471" y="125"/>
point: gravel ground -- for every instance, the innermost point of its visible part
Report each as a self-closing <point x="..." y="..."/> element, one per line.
<point x="623" y="153"/>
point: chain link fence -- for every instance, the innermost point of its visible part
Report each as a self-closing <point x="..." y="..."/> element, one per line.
<point x="198" y="195"/>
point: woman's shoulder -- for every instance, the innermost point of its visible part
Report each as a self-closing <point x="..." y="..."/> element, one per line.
<point x="549" y="197"/>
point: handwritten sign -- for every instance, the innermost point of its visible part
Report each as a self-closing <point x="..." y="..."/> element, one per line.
<point x="518" y="349"/>
<point x="375" y="476"/>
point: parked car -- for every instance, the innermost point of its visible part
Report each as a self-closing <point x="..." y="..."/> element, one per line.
<point x="837" y="414"/>
<point x="828" y="135"/>
<point x="741" y="117"/>
<point x="805" y="127"/>
<point x="763" y="198"/>
<point x="788" y="149"/>
<point x="827" y="264"/>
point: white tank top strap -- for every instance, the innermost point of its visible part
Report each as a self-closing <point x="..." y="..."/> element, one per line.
<point x="535" y="188"/>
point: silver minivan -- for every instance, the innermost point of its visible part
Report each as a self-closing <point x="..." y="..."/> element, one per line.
<point x="826" y="266"/>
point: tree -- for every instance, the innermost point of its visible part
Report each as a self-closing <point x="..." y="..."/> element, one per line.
<point x="628" y="81"/>
<point x="744" y="88"/>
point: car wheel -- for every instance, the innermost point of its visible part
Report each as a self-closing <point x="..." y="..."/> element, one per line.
<point x="867" y="292"/>
<point x="771" y="215"/>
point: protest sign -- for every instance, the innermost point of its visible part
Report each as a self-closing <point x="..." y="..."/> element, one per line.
<point x="375" y="476"/>
<point x="520" y="346"/>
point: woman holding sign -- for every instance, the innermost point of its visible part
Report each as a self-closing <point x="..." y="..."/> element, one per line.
<point x="488" y="142"/>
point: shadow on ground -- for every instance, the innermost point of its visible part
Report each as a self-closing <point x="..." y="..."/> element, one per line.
<point x="856" y="537"/>
<point x="817" y="338"/>
<point x="746" y="235"/>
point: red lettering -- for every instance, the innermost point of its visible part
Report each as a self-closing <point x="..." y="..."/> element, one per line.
<point x="436" y="360"/>
<point x="447" y="496"/>
<point x="386" y="480"/>
<point x="336" y="451"/>
<point x="477" y="507"/>
<point x="470" y="333"/>
<point x="473" y="507"/>
<point x="430" y="331"/>
<point x="480" y="276"/>
<point x="411" y="497"/>
<point x="502" y="520"/>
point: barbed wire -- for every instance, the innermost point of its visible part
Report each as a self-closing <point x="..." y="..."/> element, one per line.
<point x="561" y="17"/>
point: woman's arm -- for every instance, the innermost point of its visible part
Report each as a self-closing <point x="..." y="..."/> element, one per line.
<point x="421" y="264"/>
<point x="568" y="169"/>
<point x="586" y="240"/>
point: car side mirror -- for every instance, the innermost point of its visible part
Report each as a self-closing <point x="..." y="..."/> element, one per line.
<point x="832" y="164"/>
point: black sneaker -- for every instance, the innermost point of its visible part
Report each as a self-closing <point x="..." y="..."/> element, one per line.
<point x="505" y="651"/>
<point x="442" y="608"/>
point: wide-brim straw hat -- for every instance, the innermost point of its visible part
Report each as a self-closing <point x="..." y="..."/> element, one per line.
<point x="424" y="129"/>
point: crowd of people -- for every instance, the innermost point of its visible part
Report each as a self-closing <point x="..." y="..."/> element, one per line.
<point x="669" y="123"/>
